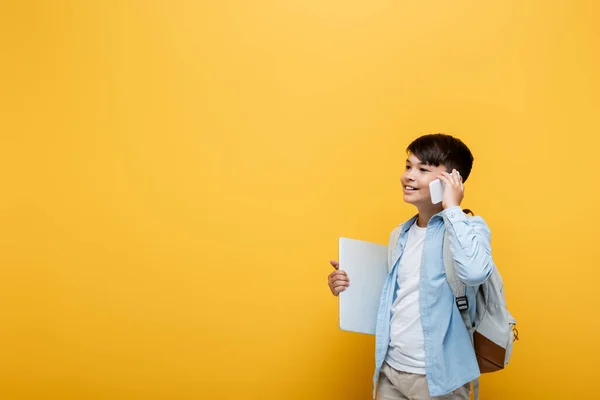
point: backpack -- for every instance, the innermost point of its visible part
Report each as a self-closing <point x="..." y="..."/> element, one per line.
<point x="493" y="330"/>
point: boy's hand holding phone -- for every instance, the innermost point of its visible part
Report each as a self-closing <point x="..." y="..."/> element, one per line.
<point x="452" y="189"/>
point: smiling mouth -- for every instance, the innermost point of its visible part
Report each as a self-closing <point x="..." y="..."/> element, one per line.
<point x="410" y="189"/>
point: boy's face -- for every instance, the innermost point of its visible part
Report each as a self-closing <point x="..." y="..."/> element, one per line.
<point x="416" y="179"/>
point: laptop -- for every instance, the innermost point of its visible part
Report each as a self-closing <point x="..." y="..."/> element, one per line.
<point x="366" y="266"/>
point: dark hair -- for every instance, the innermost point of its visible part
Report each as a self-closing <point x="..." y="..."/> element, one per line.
<point x="440" y="149"/>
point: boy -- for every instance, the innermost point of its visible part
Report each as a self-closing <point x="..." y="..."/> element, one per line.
<point x="423" y="349"/>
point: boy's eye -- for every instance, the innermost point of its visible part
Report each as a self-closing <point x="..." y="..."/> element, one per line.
<point x="424" y="170"/>
<point x="408" y="167"/>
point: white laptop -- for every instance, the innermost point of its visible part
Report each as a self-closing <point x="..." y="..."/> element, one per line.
<point x="366" y="265"/>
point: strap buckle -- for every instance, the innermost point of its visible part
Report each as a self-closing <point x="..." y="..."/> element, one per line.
<point x="462" y="303"/>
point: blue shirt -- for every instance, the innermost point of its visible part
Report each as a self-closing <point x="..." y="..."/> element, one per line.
<point x="450" y="361"/>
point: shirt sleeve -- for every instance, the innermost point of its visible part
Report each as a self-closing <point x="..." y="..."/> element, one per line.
<point x="470" y="246"/>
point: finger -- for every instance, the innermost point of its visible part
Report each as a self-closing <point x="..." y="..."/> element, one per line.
<point x="338" y="273"/>
<point x="338" y="290"/>
<point x="444" y="178"/>
<point x="337" y="284"/>
<point x="334" y="264"/>
<point x="340" y="278"/>
<point x="335" y="279"/>
<point x="450" y="178"/>
<point x="458" y="177"/>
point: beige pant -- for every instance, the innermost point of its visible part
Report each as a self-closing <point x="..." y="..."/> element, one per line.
<point x="398" y="385"/>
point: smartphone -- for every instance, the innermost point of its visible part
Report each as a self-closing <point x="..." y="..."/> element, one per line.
<point x="436" y="190"/>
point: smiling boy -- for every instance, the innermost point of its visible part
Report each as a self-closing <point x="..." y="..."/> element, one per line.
<point x="423" y="349"/>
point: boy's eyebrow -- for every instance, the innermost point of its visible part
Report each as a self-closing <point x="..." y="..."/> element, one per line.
<point x="417" y="163"/>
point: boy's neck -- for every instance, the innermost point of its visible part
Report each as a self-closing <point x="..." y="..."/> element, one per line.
<point x="425" y="215"/>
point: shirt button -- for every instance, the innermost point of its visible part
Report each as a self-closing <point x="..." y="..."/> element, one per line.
<point x="451" y="215"/>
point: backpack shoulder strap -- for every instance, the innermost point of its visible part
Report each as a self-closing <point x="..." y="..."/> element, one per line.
<point x="458" y="288"/>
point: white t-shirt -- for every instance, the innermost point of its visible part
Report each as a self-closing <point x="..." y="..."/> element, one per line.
<point x="407" y="350"/>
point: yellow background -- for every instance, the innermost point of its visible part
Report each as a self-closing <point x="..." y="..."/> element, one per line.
<point x="176" y="174"/>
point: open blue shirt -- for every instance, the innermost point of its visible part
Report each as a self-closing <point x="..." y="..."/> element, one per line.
<point x="450" y="361"/>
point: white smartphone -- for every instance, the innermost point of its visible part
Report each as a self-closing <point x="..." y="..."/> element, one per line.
<point x="436" y="190"/>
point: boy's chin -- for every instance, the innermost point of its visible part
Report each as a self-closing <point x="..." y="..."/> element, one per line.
<point x="409" y="199"/>
<point x="419" y="203"/>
